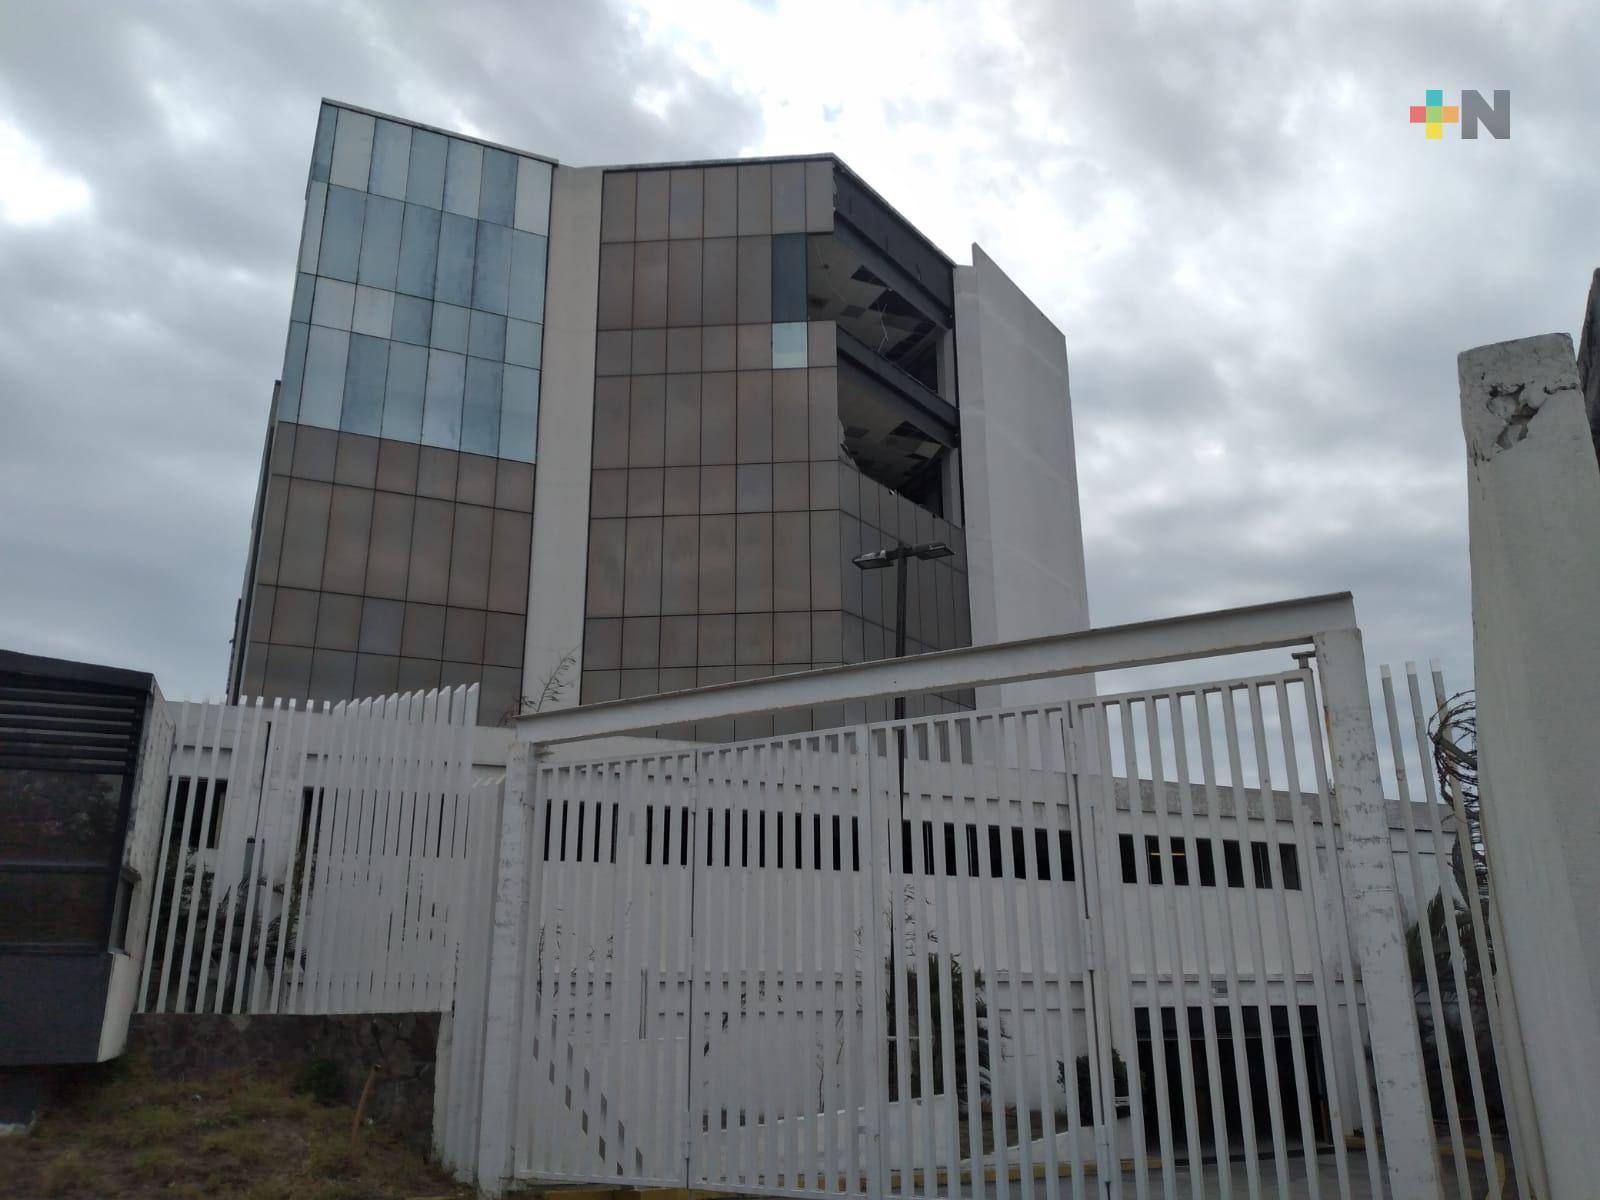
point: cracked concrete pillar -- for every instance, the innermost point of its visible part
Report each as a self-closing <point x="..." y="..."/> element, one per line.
<point x="1534" y="513"/>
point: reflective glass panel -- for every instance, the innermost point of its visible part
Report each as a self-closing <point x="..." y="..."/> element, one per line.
<point x="480" y="417"/>
<point x="391" y="156"/>
<point x="322" y="393"/>
<point x="363" y="387"/>
<point x="341" y="234"/>
<point x="489" y="280"/>
<point x="352" y="150"/>
<point x="789" y="277"/>
<point x="402" y="403"/>
<point x="374" y="312"/>
<point x="413" y="319"/>
<point x="523" y="343"/>
<point x="333" y="303"/>
<point x="526" y="300"/>
<point x="441" y="408"/>
<point x="380" y="242"/>
<point x="487" y="337"/>
<point x="322" y="149"/>
<point x="463" y="176"/>
<point x="300" y="305"/>
<point x="497" y="200"/>
<point x="453" y="279"/>
<point x="425" y="179"/>
<point x="450" y="323"/>
<point x="533" y="196"/>
<point x="519" y="414"/>
<point x="294" y="366"/>
<point x="419" y="250"/>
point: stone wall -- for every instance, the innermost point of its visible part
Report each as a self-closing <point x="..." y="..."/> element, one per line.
<point x="401" y="1045"/>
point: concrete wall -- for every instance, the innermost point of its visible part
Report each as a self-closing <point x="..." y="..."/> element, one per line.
<point x="566" y="426"/>
<point x="1533" y="490"/>
<point x="401" y="1045"/>
<point x="1019" y="468"/>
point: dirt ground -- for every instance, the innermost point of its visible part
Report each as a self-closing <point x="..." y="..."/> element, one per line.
<point x="117" y="1130"/>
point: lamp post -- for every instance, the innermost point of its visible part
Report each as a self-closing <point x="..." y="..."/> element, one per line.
<point x="896" y="556"/>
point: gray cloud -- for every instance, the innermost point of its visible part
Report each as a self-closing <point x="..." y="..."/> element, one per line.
<point x="139" y="340"/>
<point x="1263" y="272"/>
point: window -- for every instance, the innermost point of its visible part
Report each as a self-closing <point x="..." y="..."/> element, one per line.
<point x="1157" y="870"/>
<point x="789" y="345"/>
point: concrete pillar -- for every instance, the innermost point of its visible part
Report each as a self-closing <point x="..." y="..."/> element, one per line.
<point x="1375" y="919"/>
<point x="1533" y="503"/>
<point x="502" y="1033"/>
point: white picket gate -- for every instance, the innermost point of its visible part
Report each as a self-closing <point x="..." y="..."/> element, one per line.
<point x="1143" y="944"/>
<point x="317" y="861"/>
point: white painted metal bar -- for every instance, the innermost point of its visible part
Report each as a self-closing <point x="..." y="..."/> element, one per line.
<point x="1430" y="971"/>
<point x="1230" y="947"/>
<point x="964" y="890"/>
<point x="296" y="859"/>
<point x="1310" y="873"/>
<point x="280" y="737"/>
<point x="241" y="777"/>
<point x="921" y="953"/>
<point x="1178" y="972"/>
<point x="876" y="903"/>
<point x="1197" y="908"/>
<point x="1009" y="1091"/>
<point x="1269" y="1051"/>
<point x="1117" y="975"/>
<point x="1273" y="842"/>
<point x="1441" y="856"/>
<point x="396" y="857"/>
<point x="317" y="853"/>
<point x="1144" y="900"/>
<point x="160" y="892"/>
<point x="1343" y="943"/>
<point x="330" y="876"/>
<point x="1144" y="643"/>
<point x="1070" y="914"/>
<point x="1402" y="1095"/>
<point x="1029" y="781"/>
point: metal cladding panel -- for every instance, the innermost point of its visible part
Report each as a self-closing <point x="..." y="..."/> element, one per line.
<point x="53" y="1006"/>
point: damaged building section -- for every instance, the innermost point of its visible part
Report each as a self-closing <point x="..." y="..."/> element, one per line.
<point x="1505" y="386"/>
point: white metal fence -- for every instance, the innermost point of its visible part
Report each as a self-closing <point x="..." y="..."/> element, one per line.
<point x="1128" y="944"/>
<point x="1449" y="953"/>
<point x="316" y="862"/>
<point x="1148" y="944"/>
<point x="912" y="957"/>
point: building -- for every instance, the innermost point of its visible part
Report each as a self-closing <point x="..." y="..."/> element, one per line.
<point x="586" y="433"/>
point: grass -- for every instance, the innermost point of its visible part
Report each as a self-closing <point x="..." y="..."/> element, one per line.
<point x="118" y="1130"/>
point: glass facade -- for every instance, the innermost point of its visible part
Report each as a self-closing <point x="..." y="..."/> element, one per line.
<point x="419" y="304"/>
<point x="723" y="514"/>
<point x="738" y="460"/>
<point x="394" y="525"/>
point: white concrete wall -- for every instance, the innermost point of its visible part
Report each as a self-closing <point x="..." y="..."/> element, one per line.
<point x="1533" y="493"/>
<point x="1019" y="471"/>
<point x="140" y="853"/>
<point x="556" y="572"/>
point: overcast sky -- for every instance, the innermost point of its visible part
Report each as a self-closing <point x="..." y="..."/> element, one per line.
<point x="1263" y="271"/>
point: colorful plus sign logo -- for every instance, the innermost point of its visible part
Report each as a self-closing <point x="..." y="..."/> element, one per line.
<point x="1435" y="114"/>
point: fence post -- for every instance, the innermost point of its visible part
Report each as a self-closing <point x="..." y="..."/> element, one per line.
<point x="1408" y="1139"/>
<point x="502" y="1043"/>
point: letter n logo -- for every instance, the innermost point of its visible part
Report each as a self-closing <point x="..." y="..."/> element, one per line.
<point x="1476" y="111"/>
